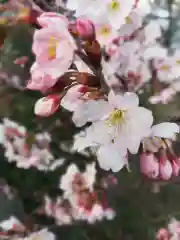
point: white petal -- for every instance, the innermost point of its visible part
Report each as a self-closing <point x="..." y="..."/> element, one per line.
<point x="128" y="100"/>
<point x="2" y="133"/>
<point x="134" y="144"/>
<point x="110" y="158"/>
<point x="90" y="111"/>
<point x="97" y="109"/>
<point x="165" y="130"/>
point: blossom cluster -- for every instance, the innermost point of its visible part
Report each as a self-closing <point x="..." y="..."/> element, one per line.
<point x="172" y="232"/>
<point x="80" y="200"/>
<point x="94" y="61"/>
<point x="96" y="80"/>
<point x="14" y="140"/>
<point x="13" y="224"/>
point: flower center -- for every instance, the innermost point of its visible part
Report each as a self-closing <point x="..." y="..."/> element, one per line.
<point x="114" y="6"/>
<point x="178" y="62"/>
<point x="105" y="31"/>
<point x="52" y="46"/>
<point x="165" y="67"/>
<point x="116" y="117"/>
<point x="128" y="20"/>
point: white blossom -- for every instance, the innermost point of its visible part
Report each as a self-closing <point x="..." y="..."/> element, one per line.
<point x="120" y="120"/>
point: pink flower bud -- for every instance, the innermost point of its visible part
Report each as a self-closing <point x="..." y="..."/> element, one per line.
<point x="21" y="60"/>
<point x="165" y="169"/>
<point x="149" y="165"/>
<point x="85" y="28"/>
<point x="175" y="168"/>
<point x="163" y="234"/>
<point x="46" y="106"/>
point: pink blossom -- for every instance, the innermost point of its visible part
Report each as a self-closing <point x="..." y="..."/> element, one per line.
<point x="46" y="106"/>
<point x="163" y="234"/>
<point x="54" y="50"/>
<point x="149" y="166"/>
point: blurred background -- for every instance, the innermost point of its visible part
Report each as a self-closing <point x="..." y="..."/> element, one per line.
<point x="141" y="206"/>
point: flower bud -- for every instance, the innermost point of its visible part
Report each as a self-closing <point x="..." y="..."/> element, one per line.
<point x="163" y="234"/>
<point x="149" y="165"/>
<point x="85" y="28"/>
<point x="21" y="60"/>
<point x="175" y="168"/>
<point x="165" y="169"/>
<point x="46" y="106"/>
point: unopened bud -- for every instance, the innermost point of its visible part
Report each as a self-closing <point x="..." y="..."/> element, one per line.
<point x="85" y="28"/>
<point x="46" y="106"/>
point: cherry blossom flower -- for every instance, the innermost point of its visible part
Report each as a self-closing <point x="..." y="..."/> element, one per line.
<point x="74" y="180"/>
<point x="166" y="131"/>
<point x="109" y="41"/>
<point x="160" y="141"/>
<point x="105" y="33"/>
<point x="174" y="228"/>
<point x="113" y="11"/>
<point x="168" y="67"/>
<point x="132" y="23"/>
<point x="11" y="224"/>
<point x="54" y="50"/>
<point x="120" y="119"/>
<point x="163" y="233"/>
<point x="164" y="97"/>
<point x="14" y="137"/>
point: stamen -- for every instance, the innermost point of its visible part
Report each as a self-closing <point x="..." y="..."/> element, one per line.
<point x="165" y="67"/>
<point x="114" y="6"/>
<point x="116" y="117"/>
<point x="52" y="46"/>
<point x="128" y="20"/>
<point x="105" y="31"/>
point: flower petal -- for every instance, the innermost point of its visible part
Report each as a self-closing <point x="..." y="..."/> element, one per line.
<point x="110" y="158"/>
<point x="165" y="130"/>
